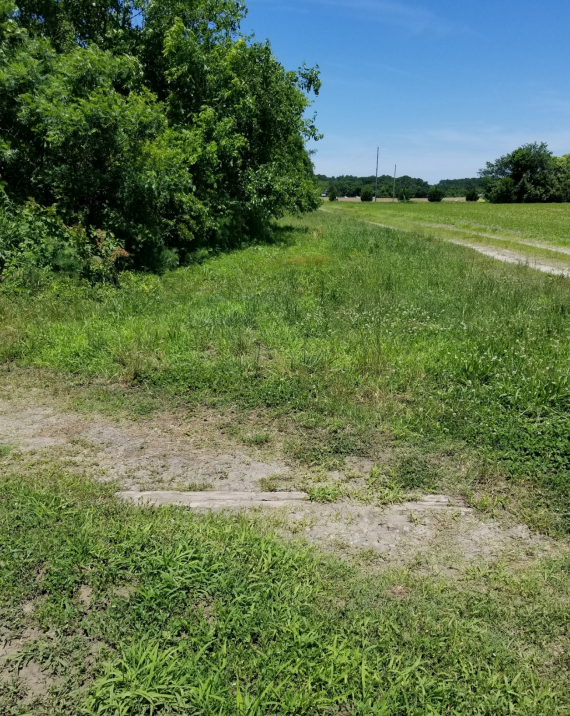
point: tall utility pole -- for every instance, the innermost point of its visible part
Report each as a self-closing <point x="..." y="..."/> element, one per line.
<point x="394" y="188"/>
<point x="376" y="187"/>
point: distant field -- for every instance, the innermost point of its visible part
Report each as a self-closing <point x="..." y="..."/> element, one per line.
<point x="536" y="231"/>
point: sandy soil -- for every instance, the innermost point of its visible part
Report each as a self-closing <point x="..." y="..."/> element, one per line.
<point x="34" y="681"/>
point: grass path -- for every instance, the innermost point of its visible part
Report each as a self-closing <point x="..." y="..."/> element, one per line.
<point x="361" y="341"/>
<point x="500" y="242"/>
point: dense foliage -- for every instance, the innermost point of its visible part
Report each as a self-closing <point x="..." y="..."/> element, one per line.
<point x="435" y="194"/>
<point x="530" y="174"/>
<point x="460" y="187"/>
<point x="143" y="132"/>
<point x="366" y="194"/>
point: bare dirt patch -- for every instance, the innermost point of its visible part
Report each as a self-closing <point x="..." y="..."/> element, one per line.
<point x="171" y="453"/>
<point x="443" y="537"/>
<point x="10" y="646"/>
<point x="36" y="682"/>
<point x="165" y="451"/>
<point x="33" y="682"/>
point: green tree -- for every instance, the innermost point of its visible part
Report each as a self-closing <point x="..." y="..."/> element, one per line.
<point x="527" y="175"/>
<point x="435" y="194"/>
<point x="366" y="193"/>
<point x="562" y="184"/>
<point x="460" y="187"/>
<point x="332" y="193"/>
<point x="472" y="195"/>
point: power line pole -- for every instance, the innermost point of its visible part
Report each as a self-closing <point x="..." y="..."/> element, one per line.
<point x="394" y="188"/>
<point x="376" y="187"/>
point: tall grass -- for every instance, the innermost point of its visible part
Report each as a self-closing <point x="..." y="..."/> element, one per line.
<point x="346" y="327"/>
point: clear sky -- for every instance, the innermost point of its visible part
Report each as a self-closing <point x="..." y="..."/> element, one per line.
<point x="441" y="87"/>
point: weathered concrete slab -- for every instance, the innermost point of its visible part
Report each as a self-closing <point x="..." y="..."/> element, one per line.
<point x="433" y="502"/>
<point x="213" y="500"/>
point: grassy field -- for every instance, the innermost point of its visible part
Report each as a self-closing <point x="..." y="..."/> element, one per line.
<point x="367" y="340"/>
<point x="355" y="332"/>
<point x="535" y="230"/>
<point x="541" y="222"/>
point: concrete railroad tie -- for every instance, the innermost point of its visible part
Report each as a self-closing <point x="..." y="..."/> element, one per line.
<point x="214" y="499"/>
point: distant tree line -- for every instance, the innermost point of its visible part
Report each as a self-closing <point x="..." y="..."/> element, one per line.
<point x="530" y="174"/>
<point x="406" y="187"/>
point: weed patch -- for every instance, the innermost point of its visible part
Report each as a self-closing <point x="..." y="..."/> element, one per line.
<point x="211" y="614"/>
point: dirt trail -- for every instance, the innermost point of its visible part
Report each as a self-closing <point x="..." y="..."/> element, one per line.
<point x="512" y="257"/>
<point x="504" y="255"/>
<point x="515" y="238"/>
<point x="160" y="461"/>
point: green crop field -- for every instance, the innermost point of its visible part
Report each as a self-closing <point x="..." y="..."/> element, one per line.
<point x="379" y="343"/>
<point x="533" y="230"/>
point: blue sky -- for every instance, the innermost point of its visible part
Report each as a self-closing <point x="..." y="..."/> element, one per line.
<point x="441" y="87"/>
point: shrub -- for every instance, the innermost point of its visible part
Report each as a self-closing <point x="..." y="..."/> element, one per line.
<point x="472" y="195"/>
<point x="332" y="194"/>
<point x="435" y="194"/>
<point x="366" y="194"/>
<point x="34" y="242"/>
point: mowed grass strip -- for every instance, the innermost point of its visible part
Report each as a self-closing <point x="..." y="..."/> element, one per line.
<point x="142" y="611"/>
<point x="544" y="223"/>
<point x="347" y="328"/>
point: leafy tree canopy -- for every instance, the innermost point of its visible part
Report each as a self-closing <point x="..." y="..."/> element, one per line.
<point x="530" y="174"/>
<point x="435" y="194"/>
<point x="460" y="187"/>
<point x="157" y="123"/>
